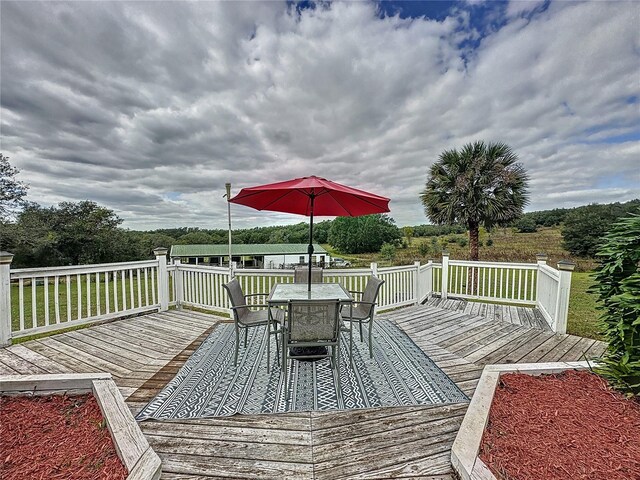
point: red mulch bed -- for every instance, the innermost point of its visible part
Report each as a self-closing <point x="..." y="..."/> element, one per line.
<point x="564" y="426"/>
<point x="56" y="437"/>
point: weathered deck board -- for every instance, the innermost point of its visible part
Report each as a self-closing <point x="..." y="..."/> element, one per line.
<point x="144" y="353"/>
<point x="525" y="316"/>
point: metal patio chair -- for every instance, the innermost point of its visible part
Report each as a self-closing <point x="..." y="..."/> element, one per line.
<point x="363" y="310"/>
<point x="301" y="275"/>
<point x="245" y="318"/>
<point x="313" y="323"/>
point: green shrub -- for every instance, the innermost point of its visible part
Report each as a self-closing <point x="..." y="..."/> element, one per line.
<point x="388" y="251"/>
<point x="363" y="234"/>
<point x="436" y="248"/>
<point x="618" y="288"/>
<point x="423" y="249"/>
<point x="462" y="241"/>
<point x="584" y="227"/>
<point x="526" y="225"/>
<point x="489" y="242"/>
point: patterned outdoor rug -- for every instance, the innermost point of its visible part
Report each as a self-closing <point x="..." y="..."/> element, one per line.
<point x="208" y="385"/>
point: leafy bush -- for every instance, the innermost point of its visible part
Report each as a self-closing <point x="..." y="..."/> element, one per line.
<point x="423" y="249"/>
<point x="435" y="245"/>
<point x="388" y="251"/>
<point x="526" y="225"/>
<point x="618" y="289"/>
<point x="462" y="241"/>
<point x="489" y="242"/>
<point x="364" y="234"/>
<point x="585" y="226"/>
<point x="437" y="230"/>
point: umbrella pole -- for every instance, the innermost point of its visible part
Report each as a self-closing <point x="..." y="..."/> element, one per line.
<point x="310" y="248"/>
<point x="228" y="187"/>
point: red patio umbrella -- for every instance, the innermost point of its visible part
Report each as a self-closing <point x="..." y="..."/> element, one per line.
<point x="312" y="196"/>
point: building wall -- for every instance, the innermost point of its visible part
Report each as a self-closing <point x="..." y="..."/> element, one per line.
<point x="277" y="261"/>
<point x="270" y="261"/>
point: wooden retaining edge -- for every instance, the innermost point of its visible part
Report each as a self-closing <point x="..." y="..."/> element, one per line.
<point x="132" y="447"/>
<point x="464" y="452"/>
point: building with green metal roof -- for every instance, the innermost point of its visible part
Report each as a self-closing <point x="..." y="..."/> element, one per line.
<point x="257" y="255"/>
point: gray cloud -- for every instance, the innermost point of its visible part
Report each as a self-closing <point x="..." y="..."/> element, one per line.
<point x="149" y="108"/>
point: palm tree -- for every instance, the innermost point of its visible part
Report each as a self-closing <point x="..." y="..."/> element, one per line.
<point x="479" y="185"/>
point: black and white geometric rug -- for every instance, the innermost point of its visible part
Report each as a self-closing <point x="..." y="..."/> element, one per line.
<point x="209" y="385"/>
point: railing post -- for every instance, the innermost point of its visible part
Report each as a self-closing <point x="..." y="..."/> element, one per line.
<point x="416" y="284"/>
<point x="565" y="268"/>
<point x="541" y="259"/>
<point x="5" y="298"/>
<point x="374" y="269"/>
<point x="445" y="274"/>
<point x="177" y="278"/>
<point x="163" y="278"/>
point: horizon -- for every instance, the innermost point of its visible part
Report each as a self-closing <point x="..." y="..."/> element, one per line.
<point x="149" y="109"/>
<point x="306" y="223"/>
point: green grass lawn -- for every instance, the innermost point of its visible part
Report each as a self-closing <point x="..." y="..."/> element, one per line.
<point x="583" y="316"/>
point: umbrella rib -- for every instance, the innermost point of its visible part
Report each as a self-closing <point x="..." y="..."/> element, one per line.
<point x="341" y="205"/>
<point x="276" y="200"/>
<point x="370" y="203"/>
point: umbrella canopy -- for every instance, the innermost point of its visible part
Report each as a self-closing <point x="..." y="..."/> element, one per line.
<point x="312" y="196"/>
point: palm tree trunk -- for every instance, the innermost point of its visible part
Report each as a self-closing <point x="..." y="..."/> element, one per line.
<point x="474" y="233"/>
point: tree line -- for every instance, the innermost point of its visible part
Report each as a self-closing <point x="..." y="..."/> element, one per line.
<point x="73" y="233"/>
<point x="76" y="233"/>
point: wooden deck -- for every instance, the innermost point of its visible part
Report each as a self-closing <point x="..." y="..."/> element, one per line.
<point x="144" y="353"/>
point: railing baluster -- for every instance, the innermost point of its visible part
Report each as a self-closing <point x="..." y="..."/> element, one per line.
<point x="146" y="284"/>
<point x="88" y="279"/>
<point x="68" y="289"/>
<point x="46" y="300"/>
<point x="34" y="305"/>
<point x="98" y="300"/>
<point x="107" y="294"/>
<point x="56" y="300"/>
<point x="21" y="301"/>
<point x="139" y="281"/>
<point x="79" y="290"/>
<point x="115" y="291"/>
<point x="123" y="285"/>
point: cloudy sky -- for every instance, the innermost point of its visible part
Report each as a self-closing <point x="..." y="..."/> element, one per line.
<point x="149" y="108"/>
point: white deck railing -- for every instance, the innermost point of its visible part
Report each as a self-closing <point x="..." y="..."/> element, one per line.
<point x="47" y="299"/>
<point x="60" y="297"/>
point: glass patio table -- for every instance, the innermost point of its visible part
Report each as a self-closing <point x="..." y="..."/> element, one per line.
<point x="281" y="293"/>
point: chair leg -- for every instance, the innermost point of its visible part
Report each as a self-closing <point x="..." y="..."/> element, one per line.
<point x="268" y="335"/>
<point x="275" y="333"/>
<point x="246" y="331"/>
<point x="360" y="324"/>
<point x="285" y="374"/>
<point x="336" y="361"/>
<point x="235" y="360"/>
<point x="371" y="338"/>
<point x="351" y="344"/>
